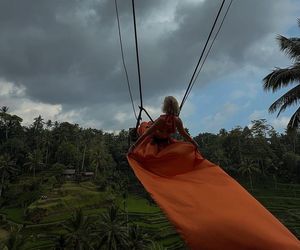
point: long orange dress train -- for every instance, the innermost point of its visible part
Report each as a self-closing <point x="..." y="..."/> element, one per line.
<point x="209" y="209"/>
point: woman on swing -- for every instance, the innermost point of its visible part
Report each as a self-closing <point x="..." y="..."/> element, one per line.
<point x="208" y="208"/>
<point x="166" y="125"/>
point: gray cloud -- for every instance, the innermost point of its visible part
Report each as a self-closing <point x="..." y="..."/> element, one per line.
<point x="67" y="52"/>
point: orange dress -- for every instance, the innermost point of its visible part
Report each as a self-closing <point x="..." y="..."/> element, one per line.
<point x="209" y="209"/>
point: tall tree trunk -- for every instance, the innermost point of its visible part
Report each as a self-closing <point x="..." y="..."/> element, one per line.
<point x="275" y="181"/>
<point x="2" y="182"/>
<point x="77" y="244"/>
<point x="96" y="170"/>
<point x="77" y="153"/>
<point x="82" y="164"/>
<point x="239" y="149"/>
<point x="262" y="166"/>
<point x="47" y="150"/>
<point x="294" y="142"/>
<point x="251" y="184"/>
<point x="6" y="132"/>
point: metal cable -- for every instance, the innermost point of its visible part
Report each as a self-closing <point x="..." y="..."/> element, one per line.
<point x="228" y="7"/>
<point x="202" y="53"/>
<point x="123" y="60"/>
<point x="138" y="65"/>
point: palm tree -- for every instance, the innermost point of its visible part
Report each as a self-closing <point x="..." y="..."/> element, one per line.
<point x="38" y="123"/>
<point x="35" y="160"/>
<point x="15" y="240"/>
<point x="111" y="230"/>
<point x="249" y="168"/>
<point x="4" y="109"/>
<point x="78" y="229"/>
<point x="97" y="159"/>
<point x="5" y="117"/>
<point x="61" y="243"/>
<point x="155" y="246"/>
<point x="47" y="139"/>
<point x="138" y="240"/>
<point x="38" y="126"/>
<point x="282" y="77"/>
<point x="7" y="168"/>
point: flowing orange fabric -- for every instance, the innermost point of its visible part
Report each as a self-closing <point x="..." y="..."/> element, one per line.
<point x="209" y="209"/>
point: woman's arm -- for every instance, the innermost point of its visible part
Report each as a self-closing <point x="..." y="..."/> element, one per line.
<point x="182" y="131"/>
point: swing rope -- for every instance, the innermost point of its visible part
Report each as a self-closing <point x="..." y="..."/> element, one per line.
<point x="197" y="69"/>
<point x="202" y="53"/>
<point x="220" y="26"/>
<point x="138" y="65"/>
<point x="123" y="59"/>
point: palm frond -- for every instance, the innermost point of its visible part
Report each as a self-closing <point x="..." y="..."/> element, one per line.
<point x="288" y="99"/>
<point x="294" y="39"/>
<point x="282" y="77"/>
<point x="298" y="19"/>
<point x="291" y="46"/>
<point x="295" y="120"/>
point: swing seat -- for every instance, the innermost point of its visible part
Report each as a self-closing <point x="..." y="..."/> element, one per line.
<point x="132" y="136"/>
<point x="209" y="209"/>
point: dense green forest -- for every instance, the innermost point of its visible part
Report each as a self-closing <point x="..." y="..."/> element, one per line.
<point x="101" y="204"/>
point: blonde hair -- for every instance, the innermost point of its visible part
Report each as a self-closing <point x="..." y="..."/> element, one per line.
<point x="170" y="106"/>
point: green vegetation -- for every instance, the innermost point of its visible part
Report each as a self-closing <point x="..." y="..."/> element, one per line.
<point x="283" y="77"/>
<point x="282" y="202"/>
<point x="65" y="187"/>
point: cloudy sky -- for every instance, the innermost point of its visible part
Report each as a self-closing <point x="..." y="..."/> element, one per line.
<point x="61" y="59"/>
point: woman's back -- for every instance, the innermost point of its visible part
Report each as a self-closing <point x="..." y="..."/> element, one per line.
<point x="164" y="126"/>
<point x="167" y="126"/>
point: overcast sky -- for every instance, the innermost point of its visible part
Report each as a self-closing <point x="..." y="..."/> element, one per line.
<point x="61" y="59"/>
